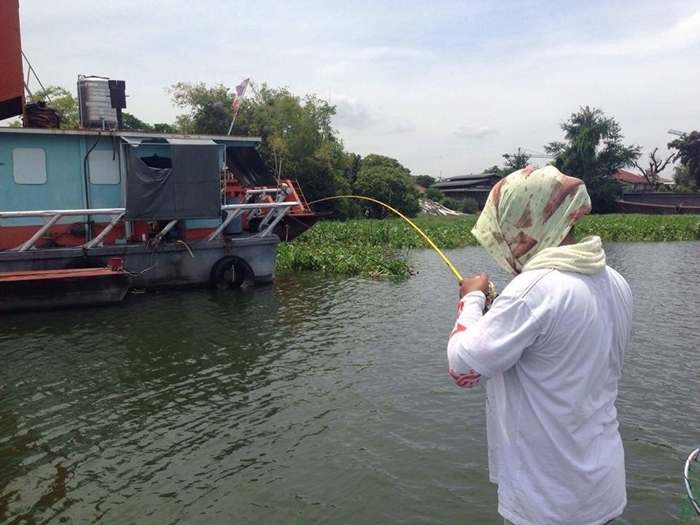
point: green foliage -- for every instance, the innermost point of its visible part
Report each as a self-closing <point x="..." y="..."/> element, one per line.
<point x="684" y="182"/>
<point x="133" y="123"/>
<point x="515" y="162"/>
<point x="341" y="259"/>
<point x="593" y="152"/>
<point x="639" y="227"/>
<point x="210" y="107"/>
<point x="298" y="141"/>
<point x="453" y="204"/>
<point x="372" y="248"/>
<point x="380" y="161"/>
<point x="425" y="180"/>
<point x="688" y="146"/>
<point x="64" y="102"/>
<point x="434" y="194"/>
<point x="162" y="127"/>
<point x="604" y="192"/>
<point x="353" y="168"/>
<point x="469" y="205"/>
<point x="495" y="169"/>
<point x="386" y="180"/>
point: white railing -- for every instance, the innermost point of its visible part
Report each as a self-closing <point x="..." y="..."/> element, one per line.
<point x="275" y="213"/>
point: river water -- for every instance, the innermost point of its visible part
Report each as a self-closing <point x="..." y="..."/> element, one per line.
<point x="314" y="400"/>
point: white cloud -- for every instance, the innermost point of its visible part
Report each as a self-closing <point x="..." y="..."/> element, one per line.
<point x="350" y="113"/>
<point x="444" y="87"/>
<point x="683" y="35"/>
<point x="472" y="133"/>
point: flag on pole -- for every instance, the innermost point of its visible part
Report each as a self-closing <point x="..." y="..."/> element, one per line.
<point x="236" y="104"/>
<point x="240" y="93"/>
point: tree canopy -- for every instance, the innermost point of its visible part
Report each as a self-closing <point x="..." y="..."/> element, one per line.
<point x="593" y="151"/>
<point x="515" y="161"/>
<point x="656" y="166"/>
<point x="386" y="180"/>
<point x="425" y="180"/>
<point x="297" y="140"/>
<point x="688" y="146"/>
<point x="62" y="101"/>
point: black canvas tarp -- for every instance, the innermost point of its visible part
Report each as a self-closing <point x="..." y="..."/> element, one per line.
<point x="248" y="167"/>
<point x="191" y="189"/>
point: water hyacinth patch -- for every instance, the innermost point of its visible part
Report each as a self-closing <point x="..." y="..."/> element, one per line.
<point x="379" y="248"/>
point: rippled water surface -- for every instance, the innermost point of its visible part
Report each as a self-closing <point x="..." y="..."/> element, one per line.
<point x="312" y="400"/>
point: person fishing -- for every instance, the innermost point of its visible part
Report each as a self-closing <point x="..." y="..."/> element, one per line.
<point x="550" y="352"/>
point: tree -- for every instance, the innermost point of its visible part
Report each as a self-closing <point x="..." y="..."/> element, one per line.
<point x="297" y="140"/>
<point x="386" y="180"/>
<point x="656" y="166"/>
<point x="684" y="182"/>
<point x="688" y="146"/>
<point x="452" y="204"/>
<point x="425" y="180"/>
<point x="64" y="102"/>
<point x="209" y="107"/>
<point x="496" y="170"/>
<point x="133" y="123"/>
<point x="593" y="152"/>
<point x="516" y="161"/>
<point x="434" y="194"/>
<point x="469" y="205"/>
<point x="162" y="127"/>
<point x="353" y="168"/>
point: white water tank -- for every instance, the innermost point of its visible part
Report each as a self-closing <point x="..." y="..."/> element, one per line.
<point x="96" y="111"/>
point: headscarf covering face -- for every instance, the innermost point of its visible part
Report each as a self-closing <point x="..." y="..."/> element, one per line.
<point x="528" y="211"/>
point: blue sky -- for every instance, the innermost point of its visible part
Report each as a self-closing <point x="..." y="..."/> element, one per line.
<point x="445" y="87"/>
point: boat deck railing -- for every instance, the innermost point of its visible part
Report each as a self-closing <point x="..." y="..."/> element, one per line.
<point x="273" y="212"/>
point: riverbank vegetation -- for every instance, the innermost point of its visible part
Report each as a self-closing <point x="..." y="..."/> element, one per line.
<point x="380" y="248"/>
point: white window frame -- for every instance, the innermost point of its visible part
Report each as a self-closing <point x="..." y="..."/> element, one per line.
<point x="29" y="166"/>
<point x="104" y="170"/>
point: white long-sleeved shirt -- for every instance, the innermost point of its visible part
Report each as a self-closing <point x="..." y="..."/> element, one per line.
<point x="550" y="351"/>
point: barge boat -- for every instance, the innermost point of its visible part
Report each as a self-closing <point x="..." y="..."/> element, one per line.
<point x="176" y="209"/>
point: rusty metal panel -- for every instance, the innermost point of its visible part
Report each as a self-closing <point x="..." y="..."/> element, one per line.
<point x="12" y="78"/>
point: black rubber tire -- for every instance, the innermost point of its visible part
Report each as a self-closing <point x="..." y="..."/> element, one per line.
<point x="230" y="272"/>
<point x="84" y="262"/>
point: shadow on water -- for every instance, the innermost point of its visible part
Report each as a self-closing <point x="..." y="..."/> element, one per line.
<point x="312" y="400"/>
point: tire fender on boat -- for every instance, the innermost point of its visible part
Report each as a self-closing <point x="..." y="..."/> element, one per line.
<point x="230" y="272"/>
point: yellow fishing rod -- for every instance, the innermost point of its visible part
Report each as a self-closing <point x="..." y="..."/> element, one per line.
<point x="409" y="221"/>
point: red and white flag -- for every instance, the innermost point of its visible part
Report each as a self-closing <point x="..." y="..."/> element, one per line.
<point x="240" y="93"/>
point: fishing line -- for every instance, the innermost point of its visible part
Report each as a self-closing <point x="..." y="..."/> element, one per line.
<point x="409" y="221"/>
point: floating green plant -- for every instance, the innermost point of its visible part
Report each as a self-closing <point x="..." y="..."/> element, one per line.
<point x="379" y="248"/>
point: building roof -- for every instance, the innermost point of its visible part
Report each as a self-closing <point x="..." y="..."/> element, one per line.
<point x="466" y="181"/>
<point x="470" y="177"/>
<point x="631" y="178"/>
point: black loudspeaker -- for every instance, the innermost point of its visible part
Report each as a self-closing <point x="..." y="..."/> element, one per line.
<point x="117" y="93"/>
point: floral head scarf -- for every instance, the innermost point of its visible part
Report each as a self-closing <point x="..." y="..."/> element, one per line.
<point x="528" y="211"/>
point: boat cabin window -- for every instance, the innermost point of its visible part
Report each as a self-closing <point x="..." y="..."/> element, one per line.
<point x="104" y="167"/>
<point x="29" y="165"/>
